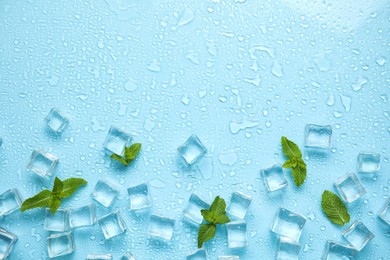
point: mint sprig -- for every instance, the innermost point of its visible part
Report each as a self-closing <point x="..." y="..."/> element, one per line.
<point x="52" y="199"/>
<point x="130" y="153"/>
<point x="295" y="161"/>
<point x="334" y="208"/>
<point x="216" y="214"/>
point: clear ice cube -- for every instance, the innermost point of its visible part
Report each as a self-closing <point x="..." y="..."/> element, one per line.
<point x="161" y="228"/>
<point x="358" y="235"/>
<point x="192" y="150"/>
<point x="319" y="136"/>
<point x="42" y="163"/>
<point x="288" y="224"/>
<point x="369" y="162"/>
<point x="7" y="241"/>
<point x="236" y="234"/>
<point x="238" y="205"/>
<point x="10" y="201"/>
<point x="104" y="193"/>
<point x="349" y="187"/>
<point x="287" y="249"/>
<point x="200" y="254"/>
<point x="192" y="211"/>
<point x="384" y="214"/>
<point x="139" y="197"/>
<point x="128" y="256"/>
<point x="273" y="178"/>
<point x="337" y="251"/>
<point x="228" y="257"/>
<point x="116" y="141"/>
<point x="99" y="257"/>
<point x="112" y="224"/>
<point x="58" y="221"/>
<point x="82" y="217"/>
<point x="60" y="244"/>
<point x="56" y="121"/>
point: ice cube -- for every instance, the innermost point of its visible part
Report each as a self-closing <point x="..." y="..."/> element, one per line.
<point x="288" y="249"/>
<point x="58" y="221"/>
<point x="274" y="178"/>
<point x="60" y="244"/>
<point x="9" y="202"/>
<point x="192" y="150"/>
<point x="42" y="163"/>
<point x="112" y="224"/>
<point x="161" y="228"/>
<point x="318" y="136"/>
<point x="358" y="235"/>
<point x="238" y="205"/>
<point x="104" y="193"/>
<point x="349" y="187"/>
<point x="236" y="234"/>
<point x="384" y="214"/>
<point x="82" y="216"/>
<point x="139" y="197"/>
<point x="288" y="224"/>
<point x="337" y="251"/>
<point x="99" y="257"/>
<point x="128" y="256"/>
<point x="369" y="162"/>
<point x="116" y="141"/>
<point x="200" y="254"/>
<point x="7" y="241"/>
<point x="229" y="257"/>
<point x="56" y="121"/>
<point x="192" y="211"/>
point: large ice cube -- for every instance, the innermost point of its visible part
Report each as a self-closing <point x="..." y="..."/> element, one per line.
<point x="288" y="224"/>
<point x="161" y="227"/>
<point x="42" y="163"/>
<point x="337" y="251"/>
<point x="9" y="202"/>
<point x="287" y="249"/>
<point x="104" y="193"/>
<point x="273" y="178"/>
<point x="369" y="162"/>
<point x="116" y="141"/>
<point x="192" y="150"/>
<point x="319" y="136"/>
<point x="349" y="187"/>
<point x="7" y="241"/>
<point x="58" y="221"/>
<point x="56" y="121"/>
<point x="236" y="234"/>
<point x="82" y="217"/>
<point x="384" y="214"/>
<point x="60" y="244"/>
<point x="192" y="211"/>
<point x="139" y="197"/>
<point x="238" y="205"/>
<point x="112" y="224"/>
<point x="200" y="254"/>
<point x="99" y="257"/>
<point x="358" y="235"/>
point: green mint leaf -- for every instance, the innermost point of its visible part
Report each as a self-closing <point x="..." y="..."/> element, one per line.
<point x="119" y="159"/>
<point x="301" y="163"/>
<point x="218" y="206"/>
<point x="40" y="200"/>
<point x="57" y="188"/>
<point x="206" y="232"/>
<point x="288" y="164"/>
<point x="334" y="208"/>
<point x="208" y="215"/>
<point x="290" y="149"/>
<point x="54" y="204"/>
<point x="70" y="186"/>
<point x="223" y="219"/>
<point x="299" y="174"/>
<point x="132" y="151"/>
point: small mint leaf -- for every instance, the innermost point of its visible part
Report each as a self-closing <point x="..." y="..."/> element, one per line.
<point x="290" y="149"/>
<point x="119" y="159"/>
<point x="299" y="175"/>
<point x="223" y="219"/>
<point x="40" y="200"/>
<point x="208" y="215"/>
<point x="54" y="204"/>
<point x="132" y="151"/>
<point x="57" y="187"/>
<point x="288" y="164"/>
<point x="70" y="186"/>
<point x="206" y="232"/>
<point x="218" y="206"/>
<point x="334" y="208"/>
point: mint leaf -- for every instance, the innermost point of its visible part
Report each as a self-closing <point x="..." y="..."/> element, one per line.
<point x="132" y="151"/>
<point x="223" y="219"/>
<point x="119" y="159"/>
<point x="70" y="186"/>
<point x="218" y="206"/>
<point x="54" y="204"/>
<point x="57" y="188"/>
<point x="40" y="200"/>
<point x="299" y="175"/>
<point x="290" y="149"/>
<point x="206" y="232"/>
<point x="208" y="215"/>
<point x="334" y="208"/>
<point x="288" y="164"/>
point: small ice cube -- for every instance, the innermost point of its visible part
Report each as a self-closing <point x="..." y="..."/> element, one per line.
<point x="192" y="150"/>
<point x="42" y="163"/>
<point x="112" y="224"/>
<point x="60" y="244"/>
<point x="236" y="233"/>
<point x="319" y="136"/>
<point x="58" y="221"/>
<point x="229" y="257"/>
<point x="369" y="162"/>
<point x="128" y="256"/>
<point x="104" y="193"/>
<point x="238" y="205"/>
<point x="288" y="224"/>
<point x="99" y="257"/>
<point x="337" y="251"/>
<point x="82" y="216"/>
<point x="9" y="202"/>
<point x="192" y="211"/>
<point x="349" y="187"/>
<point x="274" y="178"/>
<point x="56" y="121"/>
<point x="139" y="197"/>
<point x="358" y="235"/>
<point x="200" y="254"/>
<point x="7" y="241"/>
<point x="384" y="214"/>
<point x="116" y="141"/>
<point x="161" y="228"/>
<point x="288" y="249"/>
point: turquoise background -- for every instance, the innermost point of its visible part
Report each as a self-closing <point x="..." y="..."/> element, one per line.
<point x="164" y="70"/>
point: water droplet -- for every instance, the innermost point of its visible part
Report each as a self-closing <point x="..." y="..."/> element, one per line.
<point x="236" y="126"/>
<point x="229" y="158"/>
<point x="154" y="66"/>
<point x="185" y="100"/>
<point x="131" y="85"/>
<point x="359" y="83"/>
<point x="346" y="101"/>
<point x="276" y="69"/>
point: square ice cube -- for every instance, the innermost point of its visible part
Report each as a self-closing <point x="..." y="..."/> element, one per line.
<point x="82" y="216"/>
<point x="238" y="205"/>
<point x="58" y="221"/>
<point x="288" y="224"/>
<point x="369" y="162"/>
<point x="192" y="150"/>
<point x="200" y="254"/>
<point x="9" y="202"/>
<point x="161" y="228"/>
<point x="274" y="178"/>
<point x="7" y="241"/>
<point x="236" y="234"/>
<point x="192" y="211"/>
<point x="337" y="251"/>
<point x="56" y="121"/>
<point x="99" y="257"/>
<point x="229" y="257"/>
<point x="60" y="244"/>
<point x="42" y="163"/>
<point x="104" y="193"/>
<point x="112" y="224"/>
<point x="349" y="187"/>
<point x="116" y="141"/>
<point x="288" y="249"/>
<point x="128" y="256"/>
<point x="384" y="214"/>
<point x="358" y="235"/>
<point x="319" y="136"/>
<point x="139" y="197"/>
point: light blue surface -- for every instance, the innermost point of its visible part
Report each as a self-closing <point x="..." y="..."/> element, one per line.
<point x="238" y="74"/>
